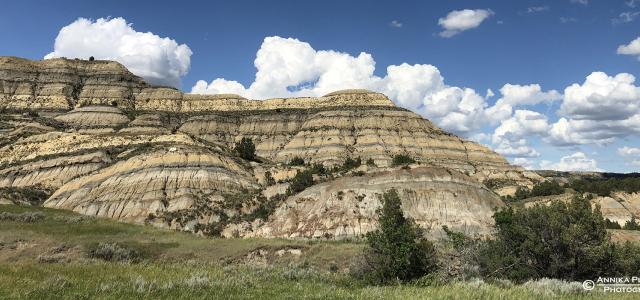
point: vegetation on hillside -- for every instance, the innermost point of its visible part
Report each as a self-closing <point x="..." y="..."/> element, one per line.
<point x="604" y="187"/>
<point x="246" y="149"/>
<point x="561" y="240"/>
<point x="396" y="250"/>
<point x="300" y="182"/>
<point x="545" y="188"/>
<point x="296" y="161"/>
<point x="402" y="160"/>
<point x="118" y="260"/>
<point x="24" y="195"/>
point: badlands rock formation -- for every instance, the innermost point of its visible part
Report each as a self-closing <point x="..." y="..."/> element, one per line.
<point x="102" y="142"/>
<point x="347" y="206"/>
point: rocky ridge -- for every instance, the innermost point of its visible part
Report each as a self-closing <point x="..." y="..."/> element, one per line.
<point x="103" y="142"/>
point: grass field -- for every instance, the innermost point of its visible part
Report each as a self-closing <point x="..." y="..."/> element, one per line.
<point x="46" y="258"/>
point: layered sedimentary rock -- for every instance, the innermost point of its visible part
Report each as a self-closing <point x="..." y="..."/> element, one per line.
<point x="347" y="207"/>
<point x="331" y="135"/>
<point x="60" y="84"/>
<point x="52" y="173"/>
<point x="94" y="116"/>
<point x="106" y="143"/>
<point x="153" y="183"/>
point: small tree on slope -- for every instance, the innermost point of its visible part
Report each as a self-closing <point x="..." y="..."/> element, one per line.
<point x="246" y="149"/>
<point x="396" y="251"/>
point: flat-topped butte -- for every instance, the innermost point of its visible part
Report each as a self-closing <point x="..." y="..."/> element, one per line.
<point x="63" y="84"/>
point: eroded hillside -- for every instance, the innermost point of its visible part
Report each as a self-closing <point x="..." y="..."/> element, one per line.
<point x="100" y="141"/>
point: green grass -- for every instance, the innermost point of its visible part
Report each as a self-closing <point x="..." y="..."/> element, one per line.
<point x="186" y="281"/>
<point x="185" y="266"/>
<point x="58" y="228"/>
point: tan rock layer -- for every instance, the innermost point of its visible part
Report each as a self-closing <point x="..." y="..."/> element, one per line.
<point x="62" y="84"/>
<point x="52" y="173"/>
<point x="347" y="207"/>
<point x="156" y="182"/>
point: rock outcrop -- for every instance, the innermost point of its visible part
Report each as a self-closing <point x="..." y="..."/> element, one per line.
<point x="155" y="182"/>
<point x="346" y="207"/>
<point x="105" y="143"/>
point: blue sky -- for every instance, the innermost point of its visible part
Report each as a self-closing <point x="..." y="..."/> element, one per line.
<point x="553" y="44"/>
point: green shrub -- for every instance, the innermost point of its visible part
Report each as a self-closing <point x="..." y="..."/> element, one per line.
<point x="546" y="188"/>
<point x="458" y="239"/>
<point x="296" y="161"/>
<point x="213" y="229"/>
<point x="604" y="187"/>
<point x="561" y="240"/>
<point x="266" y="207"/>
<point x="370" y="162"/>
<point x="300" y="182"/>
<point x="350" y="163"/>
<point x="246" y="149"/>
<point x="25" y="195"/>
<point x="608" y="224"/>
<point x="268" y="178"/>
<point x="114" y="252"/>
<point x="632" y="224"/>
<point x="318" y="169"/>
<point x="396" y="250"/>
<point x="402" y="159"/>
<point x="25" y="217"/>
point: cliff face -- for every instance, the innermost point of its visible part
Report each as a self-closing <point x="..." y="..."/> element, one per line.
<point x="105" y="143"/>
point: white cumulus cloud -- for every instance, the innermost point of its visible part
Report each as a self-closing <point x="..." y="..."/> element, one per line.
<point x="524" y="162"/>
<point x="514" y="95"/>
<point x="633" y="48"/>
<point x="598" y="111"/>
<point x="158" y="60"/>
<point x="631" y="155"/>
<point x="511" y="136"/>
<point x="575" y="162"/>
<point x="288" y="67"/>
<point x="458" y="21"/>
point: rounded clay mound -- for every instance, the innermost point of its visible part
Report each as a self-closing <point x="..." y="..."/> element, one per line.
<point x="94" y="116"/>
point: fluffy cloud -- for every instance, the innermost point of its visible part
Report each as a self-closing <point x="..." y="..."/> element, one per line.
<point x="598" y="111"/>
<point x="524" y="162"/>
<point x="519" y="95"/>
<point x="287" y="67"/>
<point x="516" y="149"/>
<point x="569" y="132"/>
<point x="575" y="162"/>
<point x="456" y="109"/>
<point x="632" y="155"/>
<point x="158" y="60"/>
<point x="523" y="123"/>
<point x="510" y="136"/>
<point x="460" y="20"/>
<point x="629" y="151"/>
<point x="633" y="48"/>
<point x="602" y="97"/>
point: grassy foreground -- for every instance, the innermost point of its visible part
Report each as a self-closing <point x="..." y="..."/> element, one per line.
<point x="47" y="259"/>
